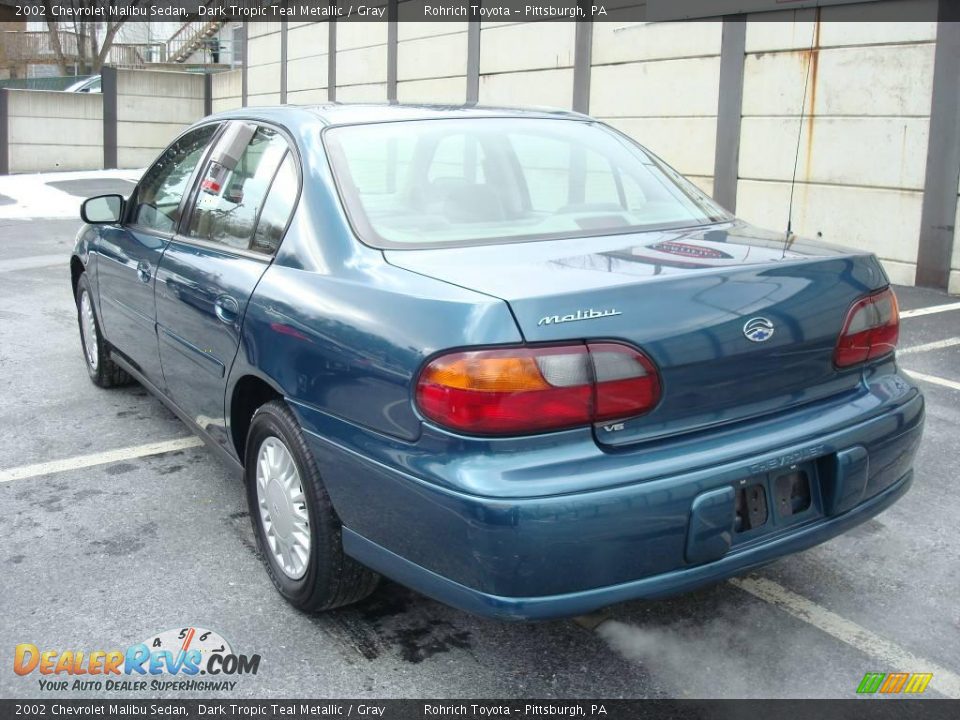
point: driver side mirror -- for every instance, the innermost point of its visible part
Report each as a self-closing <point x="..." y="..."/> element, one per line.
<point x="103" y="209"/>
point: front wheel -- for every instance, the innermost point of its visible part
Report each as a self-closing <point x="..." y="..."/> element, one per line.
<point x="297" y="530"/>
<point x="101" y="368"/>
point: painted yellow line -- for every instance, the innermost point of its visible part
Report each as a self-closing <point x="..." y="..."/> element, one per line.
<point x="889" y="656"/>
<point x="102" y="458"/>
<point x="933" y="379"/>
<point x="929" y="310"/>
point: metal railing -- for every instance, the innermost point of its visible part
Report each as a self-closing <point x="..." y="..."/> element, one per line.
<point x="190" y="38"/>
<point x="37" y="47"/>
<point x="136" y="55"/>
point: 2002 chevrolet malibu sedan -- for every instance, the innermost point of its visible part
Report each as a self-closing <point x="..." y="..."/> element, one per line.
<point x="509" y="359"/>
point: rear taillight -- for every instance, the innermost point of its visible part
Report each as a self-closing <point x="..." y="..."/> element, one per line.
<point x="871" y="330"/>
<point x="512" y="391"/>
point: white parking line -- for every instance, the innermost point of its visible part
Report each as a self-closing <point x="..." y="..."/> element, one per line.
<point x="929" y="310"/>
<point x="109" y="456"/>
<point x="890" y="656"/>
<point x="935" y="345"/>
<point x="34" y="261"/>
<point x="952" y="384"/>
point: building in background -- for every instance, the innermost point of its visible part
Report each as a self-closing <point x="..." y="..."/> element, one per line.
<point x="206" y="42"/>
<point x="8" y="55"/>
<point x="27" y="50"/>
<point x="733" y="103"/>
<point x="861" y="112"/>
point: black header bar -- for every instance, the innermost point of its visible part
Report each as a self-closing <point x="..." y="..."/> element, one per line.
<point x="619" y="11"/>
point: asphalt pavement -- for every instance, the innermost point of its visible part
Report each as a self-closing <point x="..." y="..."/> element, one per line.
<point x="104" y="556"/>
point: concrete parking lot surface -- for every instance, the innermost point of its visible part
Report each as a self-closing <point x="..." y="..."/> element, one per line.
<point x="106" y="555"/>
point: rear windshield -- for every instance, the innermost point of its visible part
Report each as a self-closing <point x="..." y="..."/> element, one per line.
<point x="435" y="183"/>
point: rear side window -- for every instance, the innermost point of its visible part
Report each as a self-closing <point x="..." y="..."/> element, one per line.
<point x="163" y="185"/>
<point x="232" y="195"/>
<point x="276" y="210"/>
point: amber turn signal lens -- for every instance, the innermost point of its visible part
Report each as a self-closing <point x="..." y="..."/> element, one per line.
<point x="475" y="371"/>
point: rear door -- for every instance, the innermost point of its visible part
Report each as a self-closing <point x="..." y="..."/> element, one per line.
<point x="131" y="252"/>
<point x="239" y="213"/>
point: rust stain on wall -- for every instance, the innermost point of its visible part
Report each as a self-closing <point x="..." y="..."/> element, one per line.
<point x="813" y="68"/>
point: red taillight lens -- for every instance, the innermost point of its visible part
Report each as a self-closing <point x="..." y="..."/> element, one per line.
<point x="627" y="383"/>
<point x="871" y="330"/>
<point x="511" y="391"/>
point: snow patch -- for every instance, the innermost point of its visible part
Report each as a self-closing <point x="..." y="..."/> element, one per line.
<point x="34" y="198"/>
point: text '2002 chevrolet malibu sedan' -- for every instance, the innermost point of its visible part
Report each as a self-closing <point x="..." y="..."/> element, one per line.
<point x="509" y="359"/>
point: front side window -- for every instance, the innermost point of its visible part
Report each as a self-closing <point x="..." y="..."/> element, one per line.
<point x="233" y="191"/>
<point x="159" y="194"/>
<point x="432" y="183"/>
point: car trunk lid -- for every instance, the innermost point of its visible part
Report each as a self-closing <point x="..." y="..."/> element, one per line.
<point x="739" y="323"/>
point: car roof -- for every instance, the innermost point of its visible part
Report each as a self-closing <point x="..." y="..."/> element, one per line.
<point x="334" y="113"/>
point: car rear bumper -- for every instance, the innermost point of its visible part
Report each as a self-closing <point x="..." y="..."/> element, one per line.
<point x="584" y="601"/>
<point x="415" y="517"/>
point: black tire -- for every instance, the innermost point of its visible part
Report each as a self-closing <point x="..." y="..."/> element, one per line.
<point x="101" y="368"/>
<point x="331" y="578"/>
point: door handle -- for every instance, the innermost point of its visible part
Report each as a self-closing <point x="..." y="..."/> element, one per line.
<point x="227" y="309"/>
<point x="143" y="271"/>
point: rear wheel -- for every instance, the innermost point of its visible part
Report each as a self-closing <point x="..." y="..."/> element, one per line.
<point x="298" y="532"/>
<point x="101" y="368"/>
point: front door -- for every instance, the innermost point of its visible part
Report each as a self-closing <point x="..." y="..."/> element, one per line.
<point x="130" y="253"/>
<point x="208" y="273"/>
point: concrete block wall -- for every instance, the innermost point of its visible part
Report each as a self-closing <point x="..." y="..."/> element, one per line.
<point x="226" y="90"/>
<point x="308" y="56"/>
<point x="152" y="109"/>
<point x="659" y="82"/>
<point x="527" y="64"/>
<point x="50" y="131"/>
<point x="432" y="62"/>
<point x="859" y="134"/>
<point x="362" y="61"/>
<point x="263" y="63"/>
<point x="863" y="138"/>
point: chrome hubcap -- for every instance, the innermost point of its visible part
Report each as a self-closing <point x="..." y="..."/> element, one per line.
<point x="88" y="328"/>
<point x="283" y="508"/>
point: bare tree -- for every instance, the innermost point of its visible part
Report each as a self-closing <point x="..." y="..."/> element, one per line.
<point x="92" y="52"/>
<point x="54" y="34"/>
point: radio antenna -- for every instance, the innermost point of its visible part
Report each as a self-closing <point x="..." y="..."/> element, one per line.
<point x="803" y="117"/>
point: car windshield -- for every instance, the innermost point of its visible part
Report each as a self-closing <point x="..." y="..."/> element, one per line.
<point x="438" y="183"/>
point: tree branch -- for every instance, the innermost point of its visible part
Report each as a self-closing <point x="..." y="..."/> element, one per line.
<point x="54" y="33"/>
